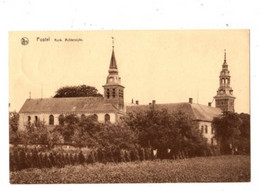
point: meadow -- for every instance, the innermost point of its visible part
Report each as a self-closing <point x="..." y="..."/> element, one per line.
<point x="228" y="168"/>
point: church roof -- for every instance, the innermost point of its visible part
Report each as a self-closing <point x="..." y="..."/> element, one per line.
<point x="67" y="105"/>
<point x="195" y="111"/>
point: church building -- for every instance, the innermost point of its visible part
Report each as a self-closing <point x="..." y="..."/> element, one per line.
<point x="53" y="110"/>
<point x="111" y="107"/>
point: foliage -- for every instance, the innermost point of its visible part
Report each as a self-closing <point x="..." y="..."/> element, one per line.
<point x="13" y="127"/>
<point x="244" y="138"/>
<point x="67" y="129"/>
<point x="54" y="138"/>
<point x="77" y="91"/>
<point x="232" y="131"/>
<point x="234" y="168"/>
<point x="85" y="132"/>
<point x="162" y="130"/>
<point x="116" y="136"/>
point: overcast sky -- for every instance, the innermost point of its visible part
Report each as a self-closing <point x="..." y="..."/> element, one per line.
<point x="166" y="66"/>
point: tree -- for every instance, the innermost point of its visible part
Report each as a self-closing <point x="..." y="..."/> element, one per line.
<point x="244" y="139"/>
<point x="67" y="130"/>
<point x="116" y="136"/>
<point x="227" y="131"/>
<point x="162" y="130"/>
<point x="34" y="135"/>
<point x="13" y="127"/>
<point x="85" y="132"/>
<point x="77" y="91"/>
<point x="54" y="138"/>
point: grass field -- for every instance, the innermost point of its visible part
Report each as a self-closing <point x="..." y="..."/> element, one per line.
<point x="203" y="169"/>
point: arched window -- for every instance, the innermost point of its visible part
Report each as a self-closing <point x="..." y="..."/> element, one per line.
<point x="107" y="118"/>
<point x="202" y="129"/>
<point x="36" y="120"/>
<point x="206" y="129"/>
<point x="95" y="117"/>
<point x="51" y="120"/>
<point x="61" y="119"/>
<point x="29" y="119"/>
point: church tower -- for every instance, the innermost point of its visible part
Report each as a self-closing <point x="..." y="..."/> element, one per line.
<point x="113" y="90"/>
<point x="224" y="98"/>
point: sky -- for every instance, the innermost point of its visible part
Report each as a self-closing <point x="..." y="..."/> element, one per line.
<point x="168" y="66"/>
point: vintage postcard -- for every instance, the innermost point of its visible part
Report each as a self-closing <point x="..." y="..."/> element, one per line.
<point x="141" y="106"/>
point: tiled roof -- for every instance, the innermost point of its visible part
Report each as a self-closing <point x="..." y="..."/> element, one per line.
<point x="67" y="105"/>
<point x="195" y="111"/>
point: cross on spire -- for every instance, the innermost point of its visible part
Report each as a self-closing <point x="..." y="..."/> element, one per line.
<point x="225" y="54"/>
<point x="113" y="42"/>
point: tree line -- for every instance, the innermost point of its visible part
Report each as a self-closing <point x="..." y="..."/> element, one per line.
<point x="171" y="135"/>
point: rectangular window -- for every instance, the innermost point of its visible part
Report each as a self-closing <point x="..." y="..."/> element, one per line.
<point x="108" y="95"/>
<point x="120" y="93"/>
<point x="114" y="93"/>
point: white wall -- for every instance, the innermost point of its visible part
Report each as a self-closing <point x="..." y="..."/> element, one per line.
<point x="209" y="135"/>
<point x="23" y="118"/>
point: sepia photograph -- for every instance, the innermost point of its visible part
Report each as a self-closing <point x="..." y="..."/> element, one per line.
<point x="129" y="106"/>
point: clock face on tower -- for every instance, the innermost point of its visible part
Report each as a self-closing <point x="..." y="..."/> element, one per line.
<point x="110" y="79"/>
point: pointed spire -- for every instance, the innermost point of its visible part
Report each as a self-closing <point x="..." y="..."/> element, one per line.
<point x="113" y="59"/>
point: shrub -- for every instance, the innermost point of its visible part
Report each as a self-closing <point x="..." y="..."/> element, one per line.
<point x="81" y="158"/>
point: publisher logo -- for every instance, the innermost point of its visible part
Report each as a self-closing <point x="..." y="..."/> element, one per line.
<point x="24" y="41"/>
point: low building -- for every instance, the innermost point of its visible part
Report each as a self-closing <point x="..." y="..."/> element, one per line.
<point x="201" y="114"/>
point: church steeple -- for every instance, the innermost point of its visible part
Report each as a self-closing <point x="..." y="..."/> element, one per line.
<point x="113" y="90"/>
<point x="224" y="98"/>
<point x="113" y="65"/>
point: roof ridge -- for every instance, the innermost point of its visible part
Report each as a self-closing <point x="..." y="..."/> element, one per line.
<point x="65" y="98"/>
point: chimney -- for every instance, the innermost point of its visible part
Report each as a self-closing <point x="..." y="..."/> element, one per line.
<point x="137" y="102"/>
<point x="154" y="102"/>
<point x="209" y="104"/>
<point x="132" y="101"/>
<point x="190" y="100"/>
